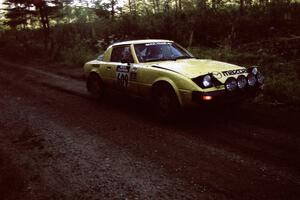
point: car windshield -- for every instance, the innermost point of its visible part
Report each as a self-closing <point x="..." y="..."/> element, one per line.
<point x="160" y="51"/>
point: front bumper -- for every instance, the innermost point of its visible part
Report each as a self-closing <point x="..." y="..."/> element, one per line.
<point x="223" y="96"/>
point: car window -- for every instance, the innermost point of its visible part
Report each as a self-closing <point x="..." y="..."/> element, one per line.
<point x="160" y="51"/>
<point x="121" y="52"/>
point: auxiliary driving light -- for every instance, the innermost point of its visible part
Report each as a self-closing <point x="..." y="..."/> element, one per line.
<point x="241" y="82"/>
<point x="260" y="78"/>
<point x="230" y="84"/>
<point x="254" y="70"/>
<point x="251" y="79"/>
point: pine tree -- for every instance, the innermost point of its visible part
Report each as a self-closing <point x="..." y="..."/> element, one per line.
<point x="20" y="13"/>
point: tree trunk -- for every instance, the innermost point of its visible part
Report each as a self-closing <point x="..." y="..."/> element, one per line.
<point x="242" y="5"/>
<point x="213" y="4"/>
<point x="191" y="39"/>
<point x="179" y="5"/>
<point x="45" y="24"/>
<point x="130" y="8"/>
<point x="134" y="7"/>
<point x="157" y="6"/>
<point x="113" y="9"/>
<point x="176" y="6"/>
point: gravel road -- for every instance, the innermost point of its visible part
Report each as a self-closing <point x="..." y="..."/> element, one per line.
<point x="58" y="143"/>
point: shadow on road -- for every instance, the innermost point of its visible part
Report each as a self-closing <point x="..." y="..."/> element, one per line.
<point x="208" y="116"/>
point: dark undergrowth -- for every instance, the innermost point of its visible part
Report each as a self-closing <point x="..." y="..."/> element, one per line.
<point x="279" y="61"/>
<point x="268" y="38"/>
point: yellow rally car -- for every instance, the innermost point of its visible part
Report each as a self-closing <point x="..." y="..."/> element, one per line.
<point x="168" y="75"/>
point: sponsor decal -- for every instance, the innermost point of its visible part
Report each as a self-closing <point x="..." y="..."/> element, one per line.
<point x="122" y="76"/>
<point x="217" y="75"/>
<point x="156" y="43"/>
<point x="234" y="72"/>
<point x="134" y="69"/>
<point x="123" y="68"/>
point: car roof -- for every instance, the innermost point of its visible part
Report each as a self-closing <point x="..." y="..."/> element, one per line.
<point x="140" y="42"/>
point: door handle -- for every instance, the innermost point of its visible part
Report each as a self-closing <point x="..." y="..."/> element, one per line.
<point x="109" y="67"/>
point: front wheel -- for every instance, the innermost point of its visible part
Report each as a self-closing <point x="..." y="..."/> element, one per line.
<point x="165" y="102"/>
<point x="95" y="85"/>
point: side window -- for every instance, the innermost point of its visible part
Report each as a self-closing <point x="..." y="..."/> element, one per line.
<point x="121" y="52"/>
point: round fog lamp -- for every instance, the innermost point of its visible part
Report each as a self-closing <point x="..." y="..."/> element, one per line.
<point x="254" y="70"/>
<point x="260" y="78"/>
<point x="230" y="84"/>
<point x="241" y="82"/>
<point x="251" y="79"/>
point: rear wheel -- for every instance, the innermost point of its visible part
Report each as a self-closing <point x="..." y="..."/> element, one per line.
<point x="165" y="102"/>
<point x="95" y="85"/>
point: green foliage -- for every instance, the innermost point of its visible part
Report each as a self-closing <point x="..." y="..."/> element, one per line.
<point x="24" y="12"/>
<point x="71" y="14"/>
<point x="282" y="74"/>
<point x="283" y="87"/>
<point x="77" y="55"/>
<point x="256" y="33"/>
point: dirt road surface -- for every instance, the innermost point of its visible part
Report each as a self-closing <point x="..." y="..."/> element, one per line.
<point x="58" y="143"/>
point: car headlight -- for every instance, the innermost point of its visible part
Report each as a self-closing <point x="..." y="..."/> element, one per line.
<point x="206" y="81"/>
<point x="251" y="79"/>
<point x="241" y="82"/>
<point x="254" y="70"/>
<point x="230" y="84"/>
<point x="260" y="78"/>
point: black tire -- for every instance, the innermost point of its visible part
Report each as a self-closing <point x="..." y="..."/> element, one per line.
<point x="165" y="102"/>
<point x="95" y="85"/>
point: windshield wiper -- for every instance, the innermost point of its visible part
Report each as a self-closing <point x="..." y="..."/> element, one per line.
<point x="183" y="57"/>
<point x="158" y="59"/>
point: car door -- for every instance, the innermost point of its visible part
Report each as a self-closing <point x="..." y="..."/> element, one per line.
<point x="118" y="71"/>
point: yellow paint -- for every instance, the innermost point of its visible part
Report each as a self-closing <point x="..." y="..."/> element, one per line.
<point x="178" y="74"/>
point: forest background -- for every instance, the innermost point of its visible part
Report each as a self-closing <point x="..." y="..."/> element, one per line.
<point x="67" y="33"/>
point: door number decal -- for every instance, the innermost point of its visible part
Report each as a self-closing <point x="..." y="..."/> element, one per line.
<point x="123" y="76"/>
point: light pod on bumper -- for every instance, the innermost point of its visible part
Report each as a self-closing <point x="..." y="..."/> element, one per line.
<point x="260" y="78"/>
<point x="241" y="82"/>
<point x="251" y="79"/>
<point x="254" y="70"/>
<point x="230" y="84"/>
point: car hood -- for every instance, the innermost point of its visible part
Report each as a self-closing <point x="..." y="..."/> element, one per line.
<point x="195" y="67"/>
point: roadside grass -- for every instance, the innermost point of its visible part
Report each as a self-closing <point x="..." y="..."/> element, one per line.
<point x="76" y="56"/>
<point x="279" y="60"/>
<point x="282" y="74"/>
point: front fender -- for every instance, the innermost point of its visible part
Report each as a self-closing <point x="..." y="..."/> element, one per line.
<point x="171" y="82"/>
